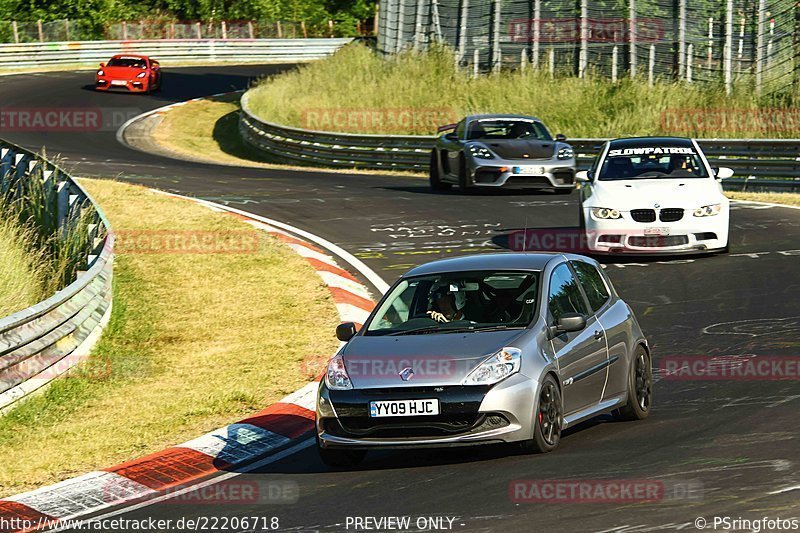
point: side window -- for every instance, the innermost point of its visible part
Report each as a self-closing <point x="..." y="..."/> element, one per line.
<point x="593" y="284"/>
<point x="460" y="128"/>
<point x="564" y="295"/>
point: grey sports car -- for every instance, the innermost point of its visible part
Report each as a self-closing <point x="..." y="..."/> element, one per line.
<point x="511" y="151"/>
<point x="507" y="347"/>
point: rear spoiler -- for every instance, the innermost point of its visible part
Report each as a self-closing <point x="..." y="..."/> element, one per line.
<point x="446" y="127"/>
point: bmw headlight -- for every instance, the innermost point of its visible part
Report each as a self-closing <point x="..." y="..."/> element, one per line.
<point x="496" y="368"/>
<point x="708" y="210"/>
<point x="336" y="377"/>
<point x="566" y="153"/>
<point x="605" y="213"/>
<point x="141" y="75"/>
<point x="480" y="151"/>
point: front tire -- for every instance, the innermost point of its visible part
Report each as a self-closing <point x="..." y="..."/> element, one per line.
<point x="640" y="388"/>
<point x="434" y="176"/>
<point x="462" y="173"/>
<point x="548" y="419"/>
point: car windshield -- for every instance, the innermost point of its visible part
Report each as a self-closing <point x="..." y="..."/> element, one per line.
<point x="459" y="301"/>
<point x="507" y="129"/>
<point x="652" y="162"/>
<point x="135" y="62"/>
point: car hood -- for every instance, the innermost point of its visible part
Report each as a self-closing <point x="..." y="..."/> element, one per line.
<point x="436" y="359"/>
<point x="522" y="149"/>
<point x="122" y="72"/>
<point x="625" y="195"/>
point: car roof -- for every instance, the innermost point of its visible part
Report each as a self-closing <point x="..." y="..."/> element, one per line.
<point x="641" y="142"/>
<point x="137" y="56"/>
<point x="493" y="261"/>
<point x="490" y="116"/>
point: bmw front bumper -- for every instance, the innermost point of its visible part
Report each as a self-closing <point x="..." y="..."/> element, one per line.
<point x="686" y="236"/>
<point x="468" y="415"/>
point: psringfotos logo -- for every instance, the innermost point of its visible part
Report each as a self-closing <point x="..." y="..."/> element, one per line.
<point x="188" y="242"/>
<point x="603" y="490"/>
<point x="396" y="120"/>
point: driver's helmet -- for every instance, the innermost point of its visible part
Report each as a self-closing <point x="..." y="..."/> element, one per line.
<point x="444" y="288"/>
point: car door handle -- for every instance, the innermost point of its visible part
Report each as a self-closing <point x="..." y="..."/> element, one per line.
<point x="598" y="335"/>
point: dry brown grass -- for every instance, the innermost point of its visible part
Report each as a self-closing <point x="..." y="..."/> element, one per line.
<point x="786" y="198"/>
<point x="196" y="341"/>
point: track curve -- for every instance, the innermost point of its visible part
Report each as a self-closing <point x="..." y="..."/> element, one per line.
<point x="738" y="439"/>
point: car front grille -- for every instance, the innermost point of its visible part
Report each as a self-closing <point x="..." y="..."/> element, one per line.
<point x="670" y="215"/>
<point x="658" y="241"/>
<point x="643" y="215"/>
<point x="528" y="181"/>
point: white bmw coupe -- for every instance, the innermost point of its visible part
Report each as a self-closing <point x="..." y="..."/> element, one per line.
<point x="653" y="195"/>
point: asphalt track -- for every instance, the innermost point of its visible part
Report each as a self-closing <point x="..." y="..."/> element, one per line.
<point x="737" y="439"/>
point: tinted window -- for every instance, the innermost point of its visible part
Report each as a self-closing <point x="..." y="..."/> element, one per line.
<point x="496" y="129"/>
<point x="593" y="285"/>
<point x="134" y="62"/>
<point x="652" y="162"/>
<point x="460" y="128"/>
<point x="565" y="294"/>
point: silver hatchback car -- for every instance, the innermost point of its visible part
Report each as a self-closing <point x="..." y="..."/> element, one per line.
<point x="500" y="347"/>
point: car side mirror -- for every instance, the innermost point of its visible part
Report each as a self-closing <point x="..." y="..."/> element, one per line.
<point x="561" y="137"/>
<point x="345" y="331"/>
<point x="102" y="65"/>
<point x="722" y="173"/>
<point x="568" y="322"/>
<point x="451" y="136"/>
<point x="582" y="176"/>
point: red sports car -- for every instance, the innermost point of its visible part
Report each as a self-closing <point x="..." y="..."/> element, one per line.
<point x="129" y="72"/>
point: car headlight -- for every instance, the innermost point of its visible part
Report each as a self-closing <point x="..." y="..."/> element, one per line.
<point x="481" y="152"/>
<point x="336" y="377"/>
<point x="141" y="75"/>
<point x="101" y="73"/>
<point x="708" y="210"/>
<point x="496" y="368"/>
<point x="566" y="153"/>
<point x="605" y="213"/>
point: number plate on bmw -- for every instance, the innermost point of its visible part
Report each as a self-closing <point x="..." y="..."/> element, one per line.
<point x="656" y="231"/>
<point x="403" y="408"/>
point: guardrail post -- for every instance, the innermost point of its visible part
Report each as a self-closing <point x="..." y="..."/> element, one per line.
<point x="6" y="160"/>
<point x="330" y="27"/>
<point x="62" y="207"/>
<point x="124" y="30"/>
<point x="66" y="29"/>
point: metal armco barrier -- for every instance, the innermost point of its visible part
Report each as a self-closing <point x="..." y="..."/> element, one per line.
<point x="183" y="51"/>
<point x="758" y="163"/>
<point x="43" y="341"/>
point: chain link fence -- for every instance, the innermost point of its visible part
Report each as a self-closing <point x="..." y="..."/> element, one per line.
<point x="77" y="30"/>
<point x="722" y="41"/>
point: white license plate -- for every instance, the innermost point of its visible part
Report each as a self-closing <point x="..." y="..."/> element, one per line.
<point x="656" y="231"/>
<point x="119" y="82"/>
<point x="404" y="408"/>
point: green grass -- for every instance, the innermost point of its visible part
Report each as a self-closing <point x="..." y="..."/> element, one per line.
<point x="356" y="78"/>
<point x="23" y="271"/>
<point x="195" y="341"/>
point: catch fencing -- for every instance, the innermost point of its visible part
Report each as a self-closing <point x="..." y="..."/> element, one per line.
<point x="759" y="164"/>
<point x="751" y="42"/>
<point x="193" y="51"/>
<point x="46" y="340"/>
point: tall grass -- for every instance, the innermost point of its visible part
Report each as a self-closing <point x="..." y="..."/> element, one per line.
<point x="356" y="78"/>
<point x="37" y="257"/>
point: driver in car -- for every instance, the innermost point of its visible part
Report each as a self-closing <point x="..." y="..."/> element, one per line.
<point x="447" y="304"/>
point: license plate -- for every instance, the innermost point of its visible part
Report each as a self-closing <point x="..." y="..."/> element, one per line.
<point x="118" y="82"/>
<point x="656" y="231"/>
<point x="528" y="169"/>
<point x="403" y="408"/>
